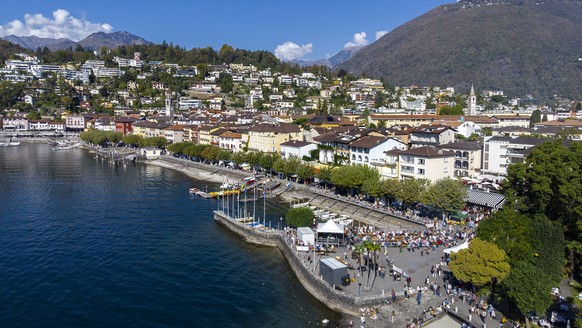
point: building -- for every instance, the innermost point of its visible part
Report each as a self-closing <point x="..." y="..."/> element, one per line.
<point x="174" y="133"/>
<point x="15" y="123"/>
<point x="75" y="123"/>
<point x="431" y="135"/>
<point x="427" y="162"/>
<point x="124" y="125"/>
<point x="267" y="137"/>
<point x="297" y="148"/>
<point x="370" y="150"/>
<point x="500" y="152"/>
<point x="472" y="103"/>
<point x="231" y="140"/>
<point x="467" y="157"/>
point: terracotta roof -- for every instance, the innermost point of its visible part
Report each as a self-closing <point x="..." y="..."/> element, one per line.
<point x="561" y="123"/>
<point x="230" y="134"/>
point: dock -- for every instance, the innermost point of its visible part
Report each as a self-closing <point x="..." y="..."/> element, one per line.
<point x="202" y="194"/>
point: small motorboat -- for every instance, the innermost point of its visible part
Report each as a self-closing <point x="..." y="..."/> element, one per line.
<point x="193" y="190"/>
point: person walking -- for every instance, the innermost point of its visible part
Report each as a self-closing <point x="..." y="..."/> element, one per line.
<point x="393" y="316"/>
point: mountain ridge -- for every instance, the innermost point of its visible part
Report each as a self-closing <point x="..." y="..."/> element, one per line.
<point x="512" y="45"/>
<point x="93" y="41"/>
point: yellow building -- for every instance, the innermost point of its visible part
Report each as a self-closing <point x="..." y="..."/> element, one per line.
<point x="266" y="137"/>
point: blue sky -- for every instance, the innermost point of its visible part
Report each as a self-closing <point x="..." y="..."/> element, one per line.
<point x="292" y="29"/>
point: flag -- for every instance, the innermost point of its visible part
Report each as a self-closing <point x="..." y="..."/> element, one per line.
<point x="243" y="187"/>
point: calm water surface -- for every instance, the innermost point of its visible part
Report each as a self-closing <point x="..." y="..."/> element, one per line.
<point x="87" y="244"/>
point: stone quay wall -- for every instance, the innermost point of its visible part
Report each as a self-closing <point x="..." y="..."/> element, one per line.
<point x="248" y="234"/>
<point x="331" y="297"/>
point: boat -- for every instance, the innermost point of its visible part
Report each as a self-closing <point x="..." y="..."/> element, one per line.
<point x="10" y="143"/>
<point x="193" y="190"/>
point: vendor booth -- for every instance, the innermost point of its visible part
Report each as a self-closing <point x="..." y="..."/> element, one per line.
<point x="306" y="236"/>
<point x="330" y="233"/>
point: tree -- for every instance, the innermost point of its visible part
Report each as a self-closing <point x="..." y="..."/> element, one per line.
<point x="510" y="231"/>
<point x="455" y="110"/>
<point x="304" y="171"/>
<point x="487" y="131"/>
<point x="411" y="191"/>
<point x="324" y="175"/>
<point x="447" y="195"/>
<point x="529" y="287"/>
<point x="373" y="187"/>
<point x="299" y="217"/>
<point x="536" y="117"/>
<point x="548" y="183"/>
<point x="480" y="264"/>
<point x="545" y="118"/>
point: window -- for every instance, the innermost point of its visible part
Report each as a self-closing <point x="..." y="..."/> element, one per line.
<point x="446" y="160"/>
<point x="421" y="171"/>
<point x="421" y="161"/>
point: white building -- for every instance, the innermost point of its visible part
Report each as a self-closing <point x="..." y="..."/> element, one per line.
<point x="426" y="163"/>
<point x="297" y="148"/>
<point x="370" y="150"/>
<point x="500" y="152"/>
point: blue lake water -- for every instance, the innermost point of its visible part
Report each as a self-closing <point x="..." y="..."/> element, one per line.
<point x="84" y="243"/>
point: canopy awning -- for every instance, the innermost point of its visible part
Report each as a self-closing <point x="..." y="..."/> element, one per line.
<point x="487" y="199"/>
<point x="456" y="248"/>
<point x="330" y="227"/>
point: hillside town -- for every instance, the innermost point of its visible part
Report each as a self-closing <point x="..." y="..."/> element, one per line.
<point x="404" y="132"/>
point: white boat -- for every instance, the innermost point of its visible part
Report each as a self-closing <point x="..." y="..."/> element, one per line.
<point x="10" y="144"/>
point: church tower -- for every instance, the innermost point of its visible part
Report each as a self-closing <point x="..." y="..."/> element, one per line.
<point x="169" y="108"/>
<point x="472" y="103"/>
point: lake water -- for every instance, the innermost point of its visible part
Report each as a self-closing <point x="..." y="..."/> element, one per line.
<point x="84" y="243"/>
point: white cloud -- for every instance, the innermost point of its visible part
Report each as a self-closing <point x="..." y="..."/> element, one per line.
<point x="62" y="25"/>
<point x="380" y="34"/>
<point x="358" y="41"/>
<point x="291" y="51"/>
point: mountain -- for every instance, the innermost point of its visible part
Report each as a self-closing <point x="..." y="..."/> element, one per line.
<point x="111" y="40"/>
<point x="34" y="42"/>
<point x="340" y="57"/>
<point x="8" y="49"/>
<point x="518" y="46"/>
<point x="92" y="42"/>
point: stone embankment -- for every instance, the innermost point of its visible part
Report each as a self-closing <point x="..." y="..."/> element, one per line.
<point x="247" y="233"/>
<point x="332" y="297"/>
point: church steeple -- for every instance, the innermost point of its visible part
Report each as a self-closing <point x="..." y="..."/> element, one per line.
<point x="472" y="105"/>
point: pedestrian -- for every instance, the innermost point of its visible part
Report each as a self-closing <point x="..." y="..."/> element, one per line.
<point x="470" y="317"/>
<point x="393" y="316"/>
<point x="363" y="320"/>
<point x="393" y="296"/>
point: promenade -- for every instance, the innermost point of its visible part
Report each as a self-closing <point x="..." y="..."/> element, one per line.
<point x="371" y="296"/>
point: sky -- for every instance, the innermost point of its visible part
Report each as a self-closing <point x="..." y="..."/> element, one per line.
<point x="293" y="30"/>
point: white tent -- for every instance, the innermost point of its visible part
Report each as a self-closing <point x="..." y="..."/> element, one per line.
<point x="330" y="227"/>
<point x="456" y="248"/>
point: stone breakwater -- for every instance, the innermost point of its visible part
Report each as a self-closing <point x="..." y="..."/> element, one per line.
<point x="334" y="299"/>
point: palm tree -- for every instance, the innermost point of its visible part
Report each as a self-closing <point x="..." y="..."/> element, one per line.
<point x="360" y="248"/>
<point x="374" y="247"/>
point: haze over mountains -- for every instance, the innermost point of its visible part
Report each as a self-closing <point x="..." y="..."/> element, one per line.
<point x="92" y="42"/>
<point x="518" y="46"/>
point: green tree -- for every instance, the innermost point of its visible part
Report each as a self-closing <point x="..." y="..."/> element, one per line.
<point x="299" y="217"/>
<point x="373" y="187"/>
<point x="548" y="183"/>
<point x="510" y="231"/>
<point x="480" y="264"/>
<point x="447" y="195"/>
<point x="304" y="171"/>
<point x="455" y="110"/>
<point x="410" y="191"/>
<point x="536" y="117"/>
<point x="529" y="287"/>
<point x="324" y="175"/>
<point x="545" y="118"/>
<point x="487" y="131"/>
